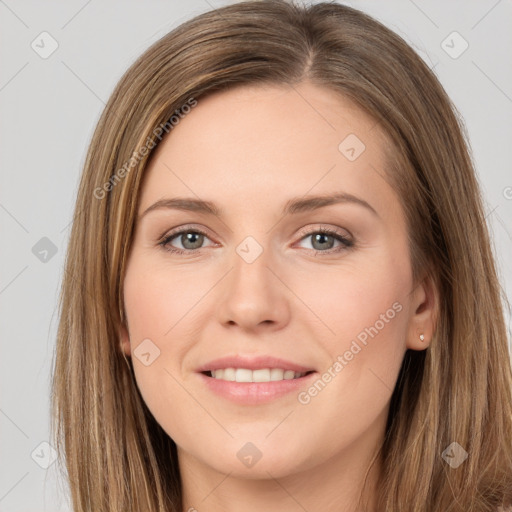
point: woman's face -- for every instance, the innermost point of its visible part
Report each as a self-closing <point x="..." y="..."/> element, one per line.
<point x="305" y="332"/>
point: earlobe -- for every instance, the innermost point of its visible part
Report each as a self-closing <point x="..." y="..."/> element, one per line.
<point x="124" y="341"/>
<point x="422" y="324"/>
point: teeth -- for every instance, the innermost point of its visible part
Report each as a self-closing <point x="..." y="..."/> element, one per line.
<point x="243" y="375"/>
<point x="229" y="374"/>
<point x="260" y="375"/>
<point x="276" y="374"/>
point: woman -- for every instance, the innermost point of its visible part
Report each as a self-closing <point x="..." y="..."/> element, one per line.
<point x="279" y="291"/>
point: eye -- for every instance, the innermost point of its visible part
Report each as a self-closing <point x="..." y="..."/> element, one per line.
<point x="191" y="240"/>
<point x="323" y="240"/>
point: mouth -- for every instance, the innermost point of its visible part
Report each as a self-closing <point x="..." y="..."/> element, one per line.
<point x="258" y="375"/>
<point x="254" y="380"/>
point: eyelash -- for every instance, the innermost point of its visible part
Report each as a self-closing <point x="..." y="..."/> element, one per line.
<point x="346" y="242"/>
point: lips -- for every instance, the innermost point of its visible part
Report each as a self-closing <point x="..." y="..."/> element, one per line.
<point x="254" y="380"/>
<point x="253" y="363"/>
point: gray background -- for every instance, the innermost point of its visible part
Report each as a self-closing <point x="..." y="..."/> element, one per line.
<point x="49" y="107"/>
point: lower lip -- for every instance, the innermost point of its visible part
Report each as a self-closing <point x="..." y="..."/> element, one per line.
<point x="252" y="393"/>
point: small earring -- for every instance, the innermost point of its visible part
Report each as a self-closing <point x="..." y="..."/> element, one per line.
<point x="422" y="337"/>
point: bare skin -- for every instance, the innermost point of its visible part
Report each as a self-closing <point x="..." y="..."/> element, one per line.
<point x="305" y="298"/>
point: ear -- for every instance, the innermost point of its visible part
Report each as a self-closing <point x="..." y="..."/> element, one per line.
<point x="124" y="340"/>
<point x="424" y="313"/>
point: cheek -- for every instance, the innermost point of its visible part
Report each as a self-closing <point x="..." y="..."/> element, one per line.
<point x="159" y="306"/>
<point x="362" y="302"/>
<point x="156" y="308"/>
<point x="366" y="315"/>
<point x="158" y="301"/>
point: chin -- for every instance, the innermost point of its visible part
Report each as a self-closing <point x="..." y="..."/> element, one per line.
<point x="262" y="459"/>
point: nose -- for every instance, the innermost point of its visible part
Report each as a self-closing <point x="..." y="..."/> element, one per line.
<point x="253" y="296"/>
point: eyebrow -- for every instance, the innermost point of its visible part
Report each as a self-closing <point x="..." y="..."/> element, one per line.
<point x="292" y="206"/>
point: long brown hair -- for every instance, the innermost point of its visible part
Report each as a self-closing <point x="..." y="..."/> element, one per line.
<point x="458" y="390"/>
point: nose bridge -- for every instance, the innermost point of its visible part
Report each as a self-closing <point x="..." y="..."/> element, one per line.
<point x="251" y="277"/>
<point x="252" y="293"/>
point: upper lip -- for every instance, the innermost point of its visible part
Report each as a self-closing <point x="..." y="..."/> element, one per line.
<point x="253" y="363"/>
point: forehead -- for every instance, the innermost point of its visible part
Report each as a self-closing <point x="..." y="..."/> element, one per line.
<point x="255" y="144"/>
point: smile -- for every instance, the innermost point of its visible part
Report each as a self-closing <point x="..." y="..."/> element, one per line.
<point x="259" y="375"/>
